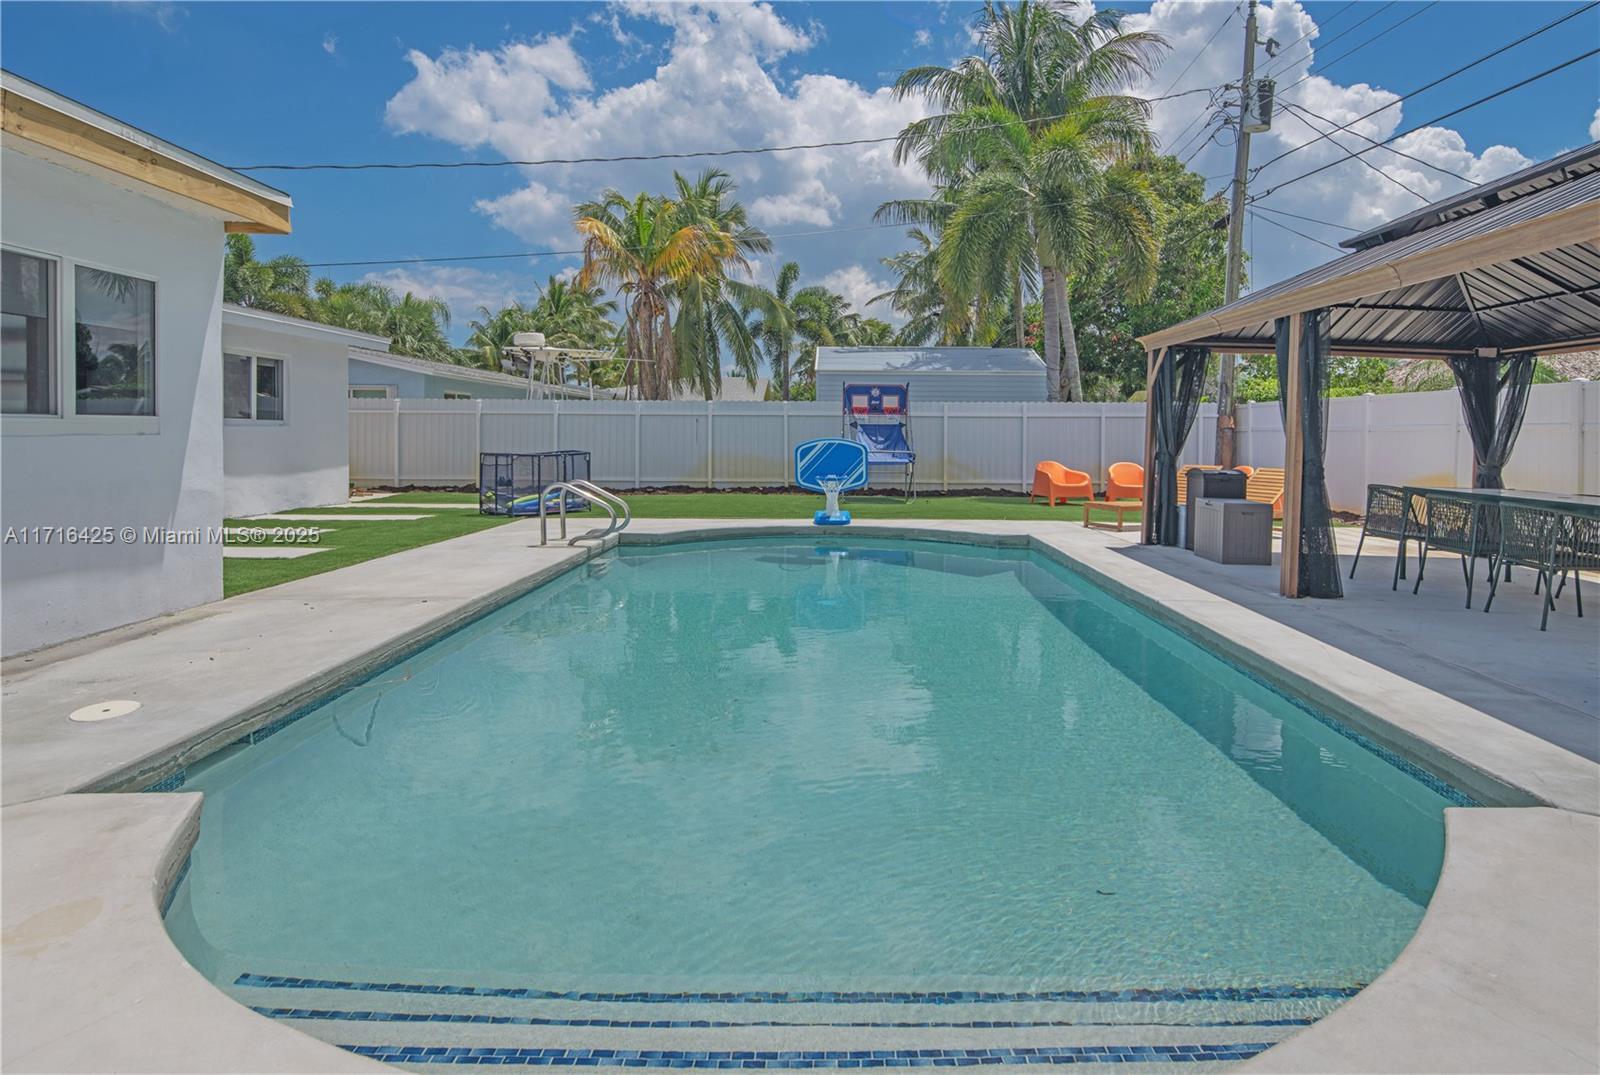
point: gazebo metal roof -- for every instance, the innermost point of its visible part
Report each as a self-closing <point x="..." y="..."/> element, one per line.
<point x="1509" y="265"/>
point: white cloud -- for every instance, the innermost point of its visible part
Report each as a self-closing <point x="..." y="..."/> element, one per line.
<point x="922" y="37"/>
<point x="858" y="285"/>
<point x="718" y="85"/>
<point x="464" y="289"/>
<point x="1594" y="127"/>
<point x="330" y="44"/>
<point x="1351" y="193"/>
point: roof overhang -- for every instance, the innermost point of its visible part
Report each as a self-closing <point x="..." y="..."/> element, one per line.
<point x="1570" y="226"/>
<point x="68" y="128"/>
<point x="246" y="317"/>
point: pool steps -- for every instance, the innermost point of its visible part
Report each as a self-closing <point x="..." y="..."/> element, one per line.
<point x="482" y="1029"/>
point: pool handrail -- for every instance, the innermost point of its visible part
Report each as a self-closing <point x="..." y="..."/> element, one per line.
<point x="590" y="491"/>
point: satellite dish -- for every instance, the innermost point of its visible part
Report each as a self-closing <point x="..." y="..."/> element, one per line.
<point x="528" y="339"/>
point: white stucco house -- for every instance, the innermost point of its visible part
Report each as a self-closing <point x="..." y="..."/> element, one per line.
<point x="285" y="412"/>
<point x="111" y="369"/>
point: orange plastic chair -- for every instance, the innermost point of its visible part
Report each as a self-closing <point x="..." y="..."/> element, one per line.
<point x="1125" y="481"/>
<point x="1246" y="471"/>
<point x="1056" y="483"/>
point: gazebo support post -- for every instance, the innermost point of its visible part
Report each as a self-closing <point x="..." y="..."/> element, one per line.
<point x="1293" y="465"/>
<point x="1145" y="516"/>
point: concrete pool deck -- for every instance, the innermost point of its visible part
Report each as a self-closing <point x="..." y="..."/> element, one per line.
<point x="1513" y="890"/>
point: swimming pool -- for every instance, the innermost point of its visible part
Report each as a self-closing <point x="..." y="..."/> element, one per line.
<point x="847" y="771"/>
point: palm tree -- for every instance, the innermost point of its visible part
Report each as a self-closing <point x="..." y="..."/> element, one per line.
<point x="414" y="324"/>
<point x="1038" y="108"/>
<point x="493" y="331"/>
<point x="712" y="306"/>
<point x="934" y="314"/>
<point x="773" y="328"/>
<point x="664" y="254"/>
<point x="281" y="286"/>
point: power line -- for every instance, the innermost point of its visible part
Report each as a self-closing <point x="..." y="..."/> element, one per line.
<point x="1437" y="119"/>
<point x="1442" y="78"/>
<point x="1323" y="66"/>
<point x="1373" y="141"/>
<point x="1220" y="27"/>
<point x="1301" y="216"/>
<point x="744" y="151"/>
<point x="1329" y="136"/>
<point x="1343" y="33"/>
<point x="1310" y="238"/>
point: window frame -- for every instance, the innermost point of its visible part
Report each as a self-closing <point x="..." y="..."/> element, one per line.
<point x="67" y="421"/>
<point x="456" y="394"/>
<point x="256" y="357"/>
<point x="57" y="334"/>
<point x="386" y="389"/>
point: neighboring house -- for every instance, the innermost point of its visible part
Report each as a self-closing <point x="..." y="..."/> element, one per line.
<point x="285" y="414"/>
<point x="735" y="389"/>
<point x="111" y="366"/>
<point x="378" y="375"/>
<point x="935" y="374"/>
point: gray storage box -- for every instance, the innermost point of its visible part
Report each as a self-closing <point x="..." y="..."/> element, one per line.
<point x="1233" y="531"/>
<point x="1229" y="484"/>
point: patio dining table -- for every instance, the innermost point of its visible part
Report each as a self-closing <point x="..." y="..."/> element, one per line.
<point x="1585" y="505"/>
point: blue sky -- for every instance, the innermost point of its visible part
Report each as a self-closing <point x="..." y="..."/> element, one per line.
<point x="248" y="83"/>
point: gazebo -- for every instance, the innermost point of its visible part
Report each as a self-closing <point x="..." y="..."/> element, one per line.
<point x="1484" y="280"/>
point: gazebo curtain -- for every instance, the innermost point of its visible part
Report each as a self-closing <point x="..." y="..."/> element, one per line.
<point x="1494" y="398"/>
<point x="1319" y="574"/>
<point x="1175" y="396"/>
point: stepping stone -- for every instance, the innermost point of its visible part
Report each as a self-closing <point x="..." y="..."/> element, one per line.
<point x="430" y="507"/>
<point x="269" y="552"/>
<point x="237" y="532"/>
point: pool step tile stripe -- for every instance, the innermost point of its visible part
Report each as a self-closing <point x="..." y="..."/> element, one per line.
<point x="361" y="1015"/>
<point x="1104" y="996"/>
<point x="786" y="1060"/>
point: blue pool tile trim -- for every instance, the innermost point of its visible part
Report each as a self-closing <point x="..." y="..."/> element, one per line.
<point x="479" y="1018"/>
<point x="832" y="1058"/>
<point x="1086" y="996"/>
<point x="170" y="782"/>
<point x="172" y="889"/>
<point x="1455" y="795"/>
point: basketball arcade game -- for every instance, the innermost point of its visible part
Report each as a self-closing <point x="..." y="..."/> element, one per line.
<point x="878" y="417"/>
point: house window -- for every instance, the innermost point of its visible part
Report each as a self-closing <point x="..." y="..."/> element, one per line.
<point x="458" y="395"/>
<point x="115" y="326"/>
<point x="372" y="391"/>
<point x="252" y="388"/>
<point x="27" y="335"/>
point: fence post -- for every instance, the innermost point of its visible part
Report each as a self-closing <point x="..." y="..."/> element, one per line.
<point x="555" y="425"/>
<point x="479" y="428"/>
<point x="1103" y="463"/>
<point x="638" y="431"/>
<point x="786" y="444"/>
<point x="1022" y="453"/>
<point x="397" y="443"/>
<point x="711" y="459"/>
<point x="944" y="481"/>
<point x="1366" y="445"/>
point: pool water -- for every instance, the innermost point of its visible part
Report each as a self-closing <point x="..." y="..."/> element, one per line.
<point x="788" y="765"/>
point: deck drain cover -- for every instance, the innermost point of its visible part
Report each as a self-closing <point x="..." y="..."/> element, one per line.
<point x="104" y="711"/>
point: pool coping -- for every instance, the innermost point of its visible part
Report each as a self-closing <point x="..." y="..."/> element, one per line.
<point x="1497" y="764"/>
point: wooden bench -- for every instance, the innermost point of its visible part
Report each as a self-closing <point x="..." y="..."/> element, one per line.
<point x="1265" y="486"/>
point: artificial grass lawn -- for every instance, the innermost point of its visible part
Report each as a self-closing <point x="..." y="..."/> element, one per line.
<point x="346" y="543"/>
<point x="352" y="541"/>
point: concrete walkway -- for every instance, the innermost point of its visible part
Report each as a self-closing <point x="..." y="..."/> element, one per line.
<point x="1544" y="682"/>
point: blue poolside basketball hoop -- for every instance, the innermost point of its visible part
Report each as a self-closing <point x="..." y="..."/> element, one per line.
<point x="830" y="466"/>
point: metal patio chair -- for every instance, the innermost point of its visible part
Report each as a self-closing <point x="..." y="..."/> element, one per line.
<point x="1452" y="524"/>
<point x="1577" y="550"/>
<point x="1385" y="517"/>
<point x="1528" y="538"/>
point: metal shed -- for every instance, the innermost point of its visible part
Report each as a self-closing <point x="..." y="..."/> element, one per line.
<point x="935" y="374"/>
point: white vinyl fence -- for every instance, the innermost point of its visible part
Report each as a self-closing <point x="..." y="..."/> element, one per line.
<point x="1407" y="437"/>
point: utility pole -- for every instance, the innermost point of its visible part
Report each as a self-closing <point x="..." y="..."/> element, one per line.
<point x="1226" y="402"/>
